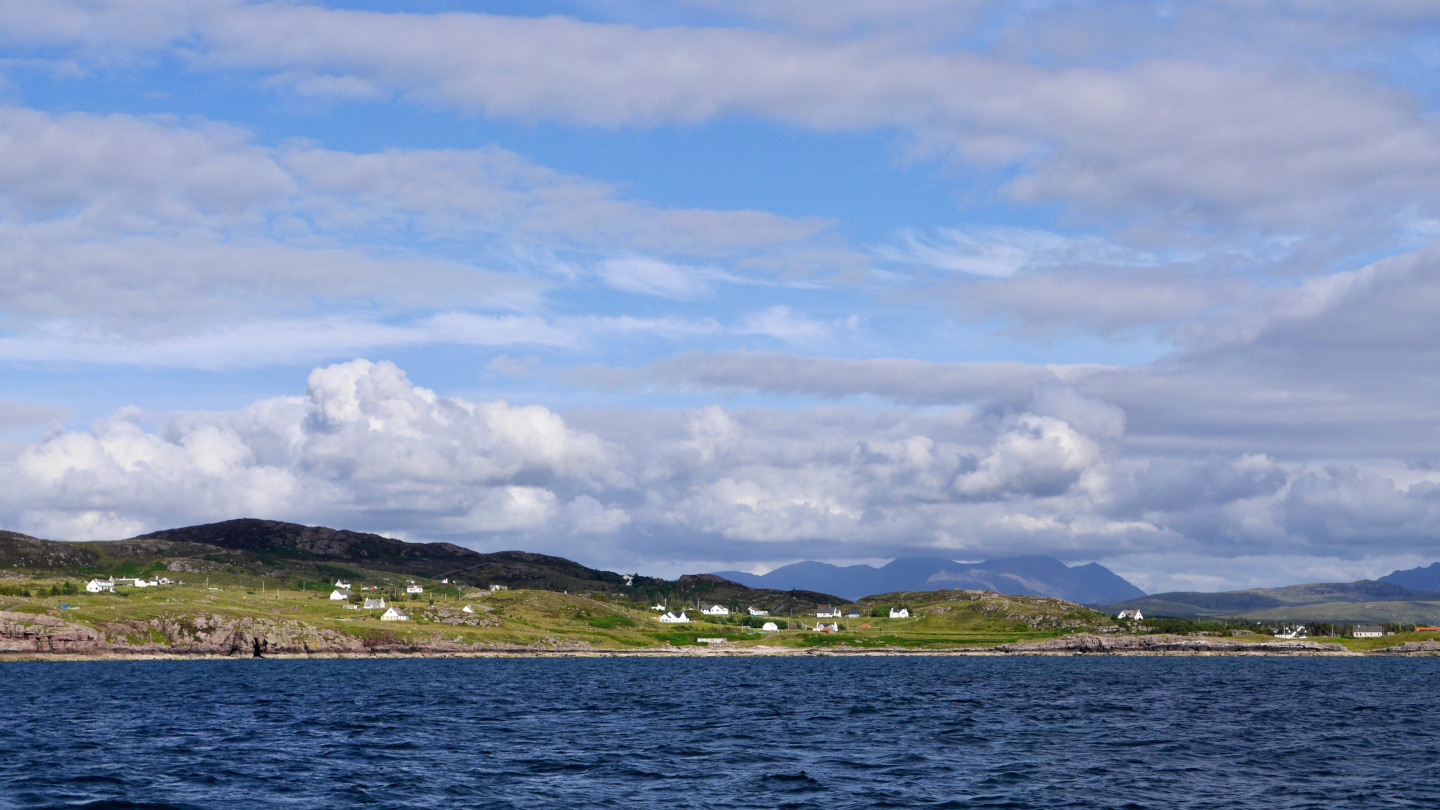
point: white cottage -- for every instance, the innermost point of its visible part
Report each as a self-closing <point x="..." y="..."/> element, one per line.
<point x="394" y="615"/>
<point x="827" y="627"/>
<point x="770" y="627"/>
<point x="827" y="612"/>
<point x="374" y="604"/>
<point x="900" y="613"/>
<point x="342" y="584"/>
<point x="499" y="588"/>
<point x="671" y="617"/>
<point x="660" y="608"/>
<point x="414" y="589"/>
<point x="100" y="586"/>
<point x="340" y="595"/>
<point x="1368" y="631"/>
<point x="1131" y="614"/>
<point x="758" y="612"/>
<point x="715" y="610"/>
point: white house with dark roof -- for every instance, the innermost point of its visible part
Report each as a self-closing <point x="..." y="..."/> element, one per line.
<point x="759" y="612"/>
<point x="827" y="612"/>
<point x="900" y="613"/>
<point x="100" y="586"/>
<point x="413" y="588"/>
<point x="827" y="627"/>
<point x="715" y="610"/>
<point x="342" y="584"/>
<point x="1368" y="631"/>
<point x="671" y="617"/>
<point x="340" y="595"/>
<point x="394" y="615"/>
<point x="1130" y="614"/>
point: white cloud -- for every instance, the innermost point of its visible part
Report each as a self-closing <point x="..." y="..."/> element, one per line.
<point x="781" y="323"/>
<point x="646" y="276"/>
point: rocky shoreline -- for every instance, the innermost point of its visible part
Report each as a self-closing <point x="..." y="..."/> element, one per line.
<point x="26" y="636"/>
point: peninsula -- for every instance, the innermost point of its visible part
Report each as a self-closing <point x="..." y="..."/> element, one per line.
<point x="255" y="588"/>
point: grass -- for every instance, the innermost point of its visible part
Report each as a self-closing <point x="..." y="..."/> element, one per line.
<point x="941" y="619"/>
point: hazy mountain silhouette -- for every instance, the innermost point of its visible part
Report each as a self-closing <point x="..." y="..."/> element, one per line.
<point x="1420" y="579"/>
<point x="1092" y="584"/>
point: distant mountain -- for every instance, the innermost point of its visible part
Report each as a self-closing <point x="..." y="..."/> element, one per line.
<point x="1021" y="576"/>
<point x="1265" y="601"/>
<point x="1424" y="579"/>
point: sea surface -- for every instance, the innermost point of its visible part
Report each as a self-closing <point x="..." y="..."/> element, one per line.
<point x="1075" y="732"/>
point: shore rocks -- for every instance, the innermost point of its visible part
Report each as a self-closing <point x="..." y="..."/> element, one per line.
<point x="1088" y="643"/>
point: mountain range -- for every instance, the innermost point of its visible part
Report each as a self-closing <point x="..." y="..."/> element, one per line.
<point x="1090" y="584"/>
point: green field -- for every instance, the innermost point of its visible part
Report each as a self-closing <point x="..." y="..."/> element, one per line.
<point x="527" y="618"/>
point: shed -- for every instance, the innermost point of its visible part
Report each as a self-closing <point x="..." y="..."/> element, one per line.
<point x="770" y="627"/>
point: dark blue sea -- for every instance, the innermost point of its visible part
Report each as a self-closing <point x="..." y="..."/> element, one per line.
<point x="724" y="733"/>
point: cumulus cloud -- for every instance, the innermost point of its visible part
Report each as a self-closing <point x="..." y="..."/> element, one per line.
<point x="362" y="441"/>
<point x="364" y="447"/>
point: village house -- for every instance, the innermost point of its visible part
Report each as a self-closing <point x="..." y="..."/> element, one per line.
<point x="374" y="604"/>
<point x="900" y="613"/>
<point x="827" y="627"/>
<point x="164" y="581"/>
<point x="1131" y="614"/>
<point x="758" y="612"/>
<point x="827" y="612"/>
<point x="340" y="595"/>
<point x="394" y="615"/>
<point x="499" y="588"/>
<point x="853" y="614"/>
<point x="770" y="627"/>
<point x="1368" y="631"/>
<point x="715" y="610"/>
<point x="660" y="608"/>
<point x="671" y="617"/>
<point x="413" y="588"/>
<point x="100" y="586"/>
<point x="342" y="584"/>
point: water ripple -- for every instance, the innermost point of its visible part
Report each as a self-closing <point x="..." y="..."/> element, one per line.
<point x="730" y="733"/>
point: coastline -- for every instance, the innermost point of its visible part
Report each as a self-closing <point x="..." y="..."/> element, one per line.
<point x="723" y="652"/>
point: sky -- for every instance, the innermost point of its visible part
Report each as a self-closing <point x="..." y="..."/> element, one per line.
<point x="702" y="285"/>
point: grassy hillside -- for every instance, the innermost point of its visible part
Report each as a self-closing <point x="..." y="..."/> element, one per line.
<point x="1333" y="601"/>
<point x="290" y="556"/>
<point x="178" y="618"/>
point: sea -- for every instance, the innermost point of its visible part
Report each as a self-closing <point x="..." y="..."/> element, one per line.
<point x="781" y="732"/>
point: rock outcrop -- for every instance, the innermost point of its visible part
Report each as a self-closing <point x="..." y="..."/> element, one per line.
<point x="1088" y="643"/>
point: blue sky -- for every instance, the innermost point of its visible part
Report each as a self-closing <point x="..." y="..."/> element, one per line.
<point x="697" y="285"/>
